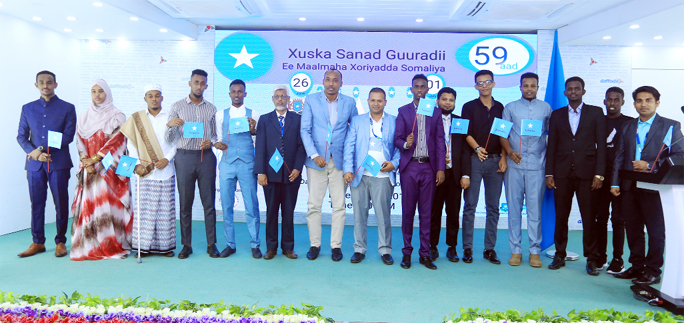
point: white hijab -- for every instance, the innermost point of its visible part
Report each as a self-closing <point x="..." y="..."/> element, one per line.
<point x="104" y="116"/>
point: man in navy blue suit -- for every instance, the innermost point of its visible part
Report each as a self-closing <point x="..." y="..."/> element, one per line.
<point x="279" y="130"/>
<point x="49" y="113"/>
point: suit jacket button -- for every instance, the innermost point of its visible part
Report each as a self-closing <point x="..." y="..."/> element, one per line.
<point x="573" y="151"/>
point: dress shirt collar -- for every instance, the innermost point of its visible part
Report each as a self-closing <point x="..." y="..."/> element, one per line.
<point x="337" y="98"/>
<point x="187" y="100"/>
<point x="161" y="113"/>
<point x="278" y="115"/>
<point x="238" y="108"/>
<point x="579" y="109"/>
<point x="446" y="117"/>
<point x="381" y="118"/>
<point x="648" y="122"/>
<point x="52" y="99"/>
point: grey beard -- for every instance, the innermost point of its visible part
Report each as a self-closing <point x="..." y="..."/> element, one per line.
<point x="280" y="108"/>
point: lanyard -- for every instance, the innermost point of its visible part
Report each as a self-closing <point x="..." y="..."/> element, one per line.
<point x="381" y="128"/>
<point x="640" y="147"/>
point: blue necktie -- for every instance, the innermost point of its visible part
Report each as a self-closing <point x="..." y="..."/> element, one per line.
<point x="280" y="121"/>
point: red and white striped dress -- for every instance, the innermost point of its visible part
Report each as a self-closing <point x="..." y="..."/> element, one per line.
<point x="103" y="221"/>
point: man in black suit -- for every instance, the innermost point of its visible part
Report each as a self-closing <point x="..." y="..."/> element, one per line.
<point x="575" y="164"/>
<point x="456" y="179"/>
<point x="279" y="130"/>
<point x="640" y="143"/>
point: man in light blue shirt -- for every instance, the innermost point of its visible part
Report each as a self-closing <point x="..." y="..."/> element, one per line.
<point x="525" y="181"/>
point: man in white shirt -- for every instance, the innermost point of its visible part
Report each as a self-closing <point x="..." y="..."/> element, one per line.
<point x="236" y="164"/>
<point x="145" y="133"/>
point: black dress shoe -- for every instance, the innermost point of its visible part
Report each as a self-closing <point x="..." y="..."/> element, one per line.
<point x="336" y="254"/>
<point x="434" y="254"/>
<point x="452" y="254"/>
<point x="168" y="254"/>
<point x="387" y="259"/>
<point x="406" y="262"/>
<point x="647" y="279"/>
<point x="256" y="253"/>
<point x="227" y="252"/>
<point x="185" y="253"/>
<point x="213" y="251"/>
<point x="357" y="257"/>
<point x="427" y="262"/>
<point x="491" y="256"/>
<point x="592" y="269"/>
<point x="557" y="262"/>
<point x="630" y="273"/>
<point x="468" y="255"/>
<point x="313" y="253"/>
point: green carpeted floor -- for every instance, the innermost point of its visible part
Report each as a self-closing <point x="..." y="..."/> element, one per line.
<point x="369" y="291"/>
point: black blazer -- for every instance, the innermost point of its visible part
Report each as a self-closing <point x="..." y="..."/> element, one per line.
<point x="585" y="151"/>
<point x="290" y="144"/>
<point x="626" y="150"/>
<point x="460" y="154"/>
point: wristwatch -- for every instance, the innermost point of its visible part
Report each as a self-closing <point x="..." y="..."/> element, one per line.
<point x="601" y="178"/>
<point x="477" y="148"/>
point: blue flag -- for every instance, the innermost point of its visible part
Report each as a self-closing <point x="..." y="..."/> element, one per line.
<point x="126" y="166"/>
<point x="426" y="107"/>
<point x="328" y="137"/>
<point x="276" y="161"/>
<point x="555" y="86"/>
<point x="501" y="127"/>
<point x="193" y="130"/>
<point x="460" y="126"/>
<point x="371" y="165"/>
<point x="55" y="139"/>
<point x="239" y="125"/>
<point x="531" y="127"/>
<point x="668" y="138"/>
<point x="107" y="161"/>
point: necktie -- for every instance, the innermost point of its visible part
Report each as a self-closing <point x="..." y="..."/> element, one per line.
<point x="280" y="121"/>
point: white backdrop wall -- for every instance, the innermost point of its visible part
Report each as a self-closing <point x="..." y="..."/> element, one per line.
<point x="663" y="68"/>
<point x="27" y="49"/>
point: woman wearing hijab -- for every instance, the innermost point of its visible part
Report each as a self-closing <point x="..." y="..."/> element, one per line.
<point x="102" y="223"/>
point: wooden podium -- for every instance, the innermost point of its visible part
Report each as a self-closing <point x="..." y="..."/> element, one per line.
<point x="669" y="181"/>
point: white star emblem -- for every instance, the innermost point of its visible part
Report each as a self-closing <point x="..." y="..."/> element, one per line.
<point x="243" y="57"/>
<point x="372" y="144"/>
<point x="458" y="123"/>
<point x="55" y="137"/>
<point x="356" y="92"/>
<point x="277" y="158"/>
<point x="391" y="92"/>
<point x="427" y="105"/>
<point x="237" y="123"/>
<point x="372" y="164"/>
<point x="194" y="128"/>
<point x="503" y="126"/>
<point x="125" y="165"/>
<point x="530" y="125"/>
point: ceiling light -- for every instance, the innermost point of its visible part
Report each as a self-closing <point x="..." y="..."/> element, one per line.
<point x="37" y="18"/>
<point x="360" y="19"/>
<point x="134" y="18"/>
<point x="606" y="37"/>
<point x="658" y="37"/>
<point x="71" y="18"/>
<point x="97" y="4"/>
<point x="163" y="30"/>
<point x="638" y="44"/>
<point x="419" y="20"/>
<point x="302" y="19"/>
<point x="99" y="30"/>
<point x="0" y="4"/>
<point x="67" y="30"/>
<point x="634" y="26"/>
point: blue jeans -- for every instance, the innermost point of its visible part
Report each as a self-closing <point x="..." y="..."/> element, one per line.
<point x="493" y="181"/>
<point x="229" y="176"/>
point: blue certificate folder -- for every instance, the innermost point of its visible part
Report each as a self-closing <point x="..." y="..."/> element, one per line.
<point x="193" y="130"/>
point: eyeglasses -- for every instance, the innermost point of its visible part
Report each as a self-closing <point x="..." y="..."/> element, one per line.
<point x="284" y="96"/>
<point x="483" y="83"/>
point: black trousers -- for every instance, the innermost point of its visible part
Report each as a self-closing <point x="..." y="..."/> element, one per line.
<point x="606" y="200"/>
<point x="280" y="197"/>
<point x="643" y="208"/>
<point x="449" y="194"/>
<point x="566" y="188"/>
<point x="189" y="169"/>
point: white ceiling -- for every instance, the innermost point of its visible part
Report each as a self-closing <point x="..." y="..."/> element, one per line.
<point x="581" y="22"/>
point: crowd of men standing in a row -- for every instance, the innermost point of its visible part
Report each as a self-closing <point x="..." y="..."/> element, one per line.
<point x="578" y="151"/>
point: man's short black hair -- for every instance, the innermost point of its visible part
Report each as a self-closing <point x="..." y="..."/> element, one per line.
<point x="574" y="79"/>
<point x="46" y="73"/>
<point x="646" y="88"/>
<point x="617" y="90"/>
<point x="446" y="90"/>
<point x="238" y="82"/>
<point x="484" y="72"/>
<point x="378" y="90"/>
<point x="418" y="77"/>
<point x="333" y="69"/>
<point x="529" y="75"/>
<point x="199" y="72"/>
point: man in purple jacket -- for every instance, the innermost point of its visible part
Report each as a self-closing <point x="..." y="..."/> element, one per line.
<point x="420" y="139"/>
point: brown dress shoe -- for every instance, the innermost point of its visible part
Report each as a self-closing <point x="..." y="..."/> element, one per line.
<point x="535" y="261"/>
<point x="290" y="254"/>
<point x="269" y="254"/>
<point x="61" y="250"/>
<point x="32" y="250"/>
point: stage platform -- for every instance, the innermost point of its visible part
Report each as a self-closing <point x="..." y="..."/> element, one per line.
<point x="369" y="291"/>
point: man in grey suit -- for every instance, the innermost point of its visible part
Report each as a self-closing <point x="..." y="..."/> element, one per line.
<point x="641" y="141"/>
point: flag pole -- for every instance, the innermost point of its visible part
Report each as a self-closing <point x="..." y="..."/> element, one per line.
<point x="487" y="143"/>
<point x="137" y="188"/>
<point x="48" y="160"/>
<point x="658" y="156"/>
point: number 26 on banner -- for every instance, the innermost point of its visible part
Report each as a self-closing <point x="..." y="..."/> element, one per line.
<point x="301" y="84"/>
<point x="501" y="54"/>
